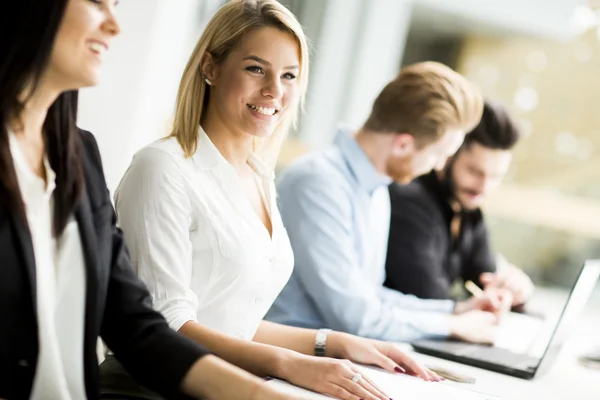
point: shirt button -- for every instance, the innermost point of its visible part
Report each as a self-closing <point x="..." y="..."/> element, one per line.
<point x="257" y="301"/>
<point x="23" y="363"/>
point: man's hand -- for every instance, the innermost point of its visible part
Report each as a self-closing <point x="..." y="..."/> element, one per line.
<point x="509" y="278"/>
<point x="474" y="326"/>
<point x="494" y="301"/>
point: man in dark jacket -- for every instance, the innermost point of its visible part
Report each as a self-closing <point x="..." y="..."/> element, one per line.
<point x="437" y="230"/>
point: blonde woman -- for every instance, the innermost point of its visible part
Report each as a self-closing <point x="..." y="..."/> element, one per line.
<point x="199" y="213"/>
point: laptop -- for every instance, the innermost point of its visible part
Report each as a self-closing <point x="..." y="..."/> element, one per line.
<point x="532" y="357"/>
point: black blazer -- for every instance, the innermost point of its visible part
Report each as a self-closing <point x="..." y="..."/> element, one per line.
<point x="118" y="306"/>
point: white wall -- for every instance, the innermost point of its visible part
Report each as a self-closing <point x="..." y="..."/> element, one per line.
<point x="358" y="46"/>
<point x="376" y="56"/>
<point x="357" y="51"/>
<point x="536" y="17"/>
<point x="134" y="103"/>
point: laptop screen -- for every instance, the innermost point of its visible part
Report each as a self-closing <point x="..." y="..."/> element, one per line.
<point x="580" y="294"/>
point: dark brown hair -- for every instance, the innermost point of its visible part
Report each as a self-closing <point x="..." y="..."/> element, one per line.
<point x="496" y="130"/>
<point x="27" y="35"/>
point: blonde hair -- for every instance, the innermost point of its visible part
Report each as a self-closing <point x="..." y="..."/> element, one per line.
<point x="223" y="33"/>
<point x="426" y="100"/>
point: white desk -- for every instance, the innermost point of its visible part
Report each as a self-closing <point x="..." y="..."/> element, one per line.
<point x="567" y="380"/>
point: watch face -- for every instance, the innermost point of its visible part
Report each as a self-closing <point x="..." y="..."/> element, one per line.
<point x="321" y="342"/>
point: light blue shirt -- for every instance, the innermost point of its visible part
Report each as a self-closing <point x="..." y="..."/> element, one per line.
<point x="335" y="207"/>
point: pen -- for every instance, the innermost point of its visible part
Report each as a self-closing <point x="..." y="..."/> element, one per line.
<point x="452" y="375"/>
<point x="478" y="293"/>
<point x="473" y="289"/>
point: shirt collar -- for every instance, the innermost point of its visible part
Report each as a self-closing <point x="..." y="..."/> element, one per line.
<point x="31" y="183"/>
<point x="361" y="167"/>
<point x="207" y="156"/>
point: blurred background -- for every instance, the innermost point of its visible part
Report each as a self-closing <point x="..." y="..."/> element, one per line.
<point x="540" y="58"/>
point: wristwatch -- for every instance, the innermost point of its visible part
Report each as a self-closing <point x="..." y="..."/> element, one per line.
<point x="321" y="342"/>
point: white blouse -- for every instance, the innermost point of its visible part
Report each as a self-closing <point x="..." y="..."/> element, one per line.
<point x="196" y="241"/>
<point x="60" y="287"/>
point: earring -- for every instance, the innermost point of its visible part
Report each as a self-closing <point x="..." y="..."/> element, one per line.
<point x="209" y="83"/>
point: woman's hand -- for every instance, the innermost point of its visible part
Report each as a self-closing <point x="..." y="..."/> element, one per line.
<point x="374" y="352"/>
<point x="329" y="376"/>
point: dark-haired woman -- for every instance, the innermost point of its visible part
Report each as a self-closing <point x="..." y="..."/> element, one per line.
<point x="65" y="276"/>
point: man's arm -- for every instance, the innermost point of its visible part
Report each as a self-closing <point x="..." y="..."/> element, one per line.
<point x="317" y="212"/>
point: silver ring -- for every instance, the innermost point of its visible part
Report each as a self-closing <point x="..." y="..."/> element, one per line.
<point x="356" y="378"/>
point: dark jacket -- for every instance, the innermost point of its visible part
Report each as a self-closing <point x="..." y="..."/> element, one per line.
<point x="118" y="306"/>
<point x="422" y="258"/>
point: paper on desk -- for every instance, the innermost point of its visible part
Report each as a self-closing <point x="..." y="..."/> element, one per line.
<point x="517" y="332"/>
<point x="399" y="387"/>
<point x="408" y="387"/>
